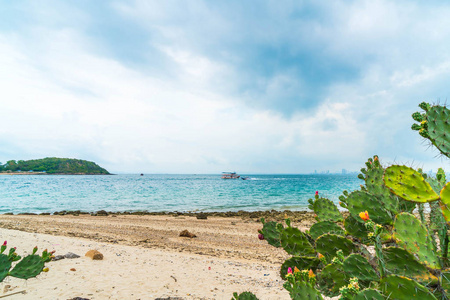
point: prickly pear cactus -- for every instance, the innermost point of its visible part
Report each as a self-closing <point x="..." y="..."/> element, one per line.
<point x="374" y="184"/>
<point x="369" y="294"/>
<point x="445" y="202"/>
<point x="29" y="267"/>
<point x="399" y="287"/>
<point x="434" y="126"/>
<point x="359" y="201"/>
<point x="329" y="244"/>
<point x="301" y="262"/>
<point x="325" y="210"/>
<point x="409" y="184"/>
<point x="270" y="233"/>
<point x="323" y="227"/>
<point x="358" y="266"/>
<point x="304" y="291"/>
<point x="356" y="229"/>
<point x="412" y="235"/>
<point x="244" y="296"/>
<point x="332" y="278"/>
<point x="296" y="243"/>
<point x="400" y="262"/>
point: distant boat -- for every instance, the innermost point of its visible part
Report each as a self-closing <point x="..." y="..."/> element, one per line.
<point x="230" y="175"/>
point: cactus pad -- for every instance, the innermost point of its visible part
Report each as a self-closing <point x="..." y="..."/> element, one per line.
<point x="445" y="281"/>
<point x="295" y="242"/>
<point x="331" y="279"/>
<point x="445" y="202"/>
<point x="398" y="287"/>
<point x="356" y="229"/>
<point x="30" y="266"/>
<point x="303" y="291"/>
<point x="5" y="265"/>
<point x="359" y="201"/>
<point x="409" y="184"/>
<point x="436" y="128"/>
<point x="369" y="294"/>
<point x="271" y="233"/>
<point x="329" y="244"/>
<point x="244" y="296"/>
<point x="301" y="262"/>
<point x="357" y="266"/>
<point x="412" y="235"/>
<point x="400" y="262"/>
<point x="326" y="210"/>
<point x="323" y="227"/>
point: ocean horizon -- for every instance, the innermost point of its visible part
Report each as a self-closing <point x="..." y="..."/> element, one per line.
<point x="168" y="192"/>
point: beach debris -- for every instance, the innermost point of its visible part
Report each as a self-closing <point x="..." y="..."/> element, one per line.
<point x="202" y="216"/>
<point x="79" y="298"/>
<point x="73" y="269"/>
<point x="186" y="233"/>
<point x="94" y="254"/>
<point x="71" y="255"/>
<point x="170" y="298"/>
<point x="58" y="257"/>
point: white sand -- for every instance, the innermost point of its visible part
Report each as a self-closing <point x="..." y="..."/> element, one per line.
<point x="129" y="272"/>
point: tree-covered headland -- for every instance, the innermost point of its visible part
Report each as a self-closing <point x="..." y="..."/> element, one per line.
<point x="53" y="165"/>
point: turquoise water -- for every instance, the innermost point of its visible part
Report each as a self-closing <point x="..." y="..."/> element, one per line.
<point x="50" y="193"/>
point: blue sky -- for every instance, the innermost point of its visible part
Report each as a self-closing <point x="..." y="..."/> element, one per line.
<point x="208" y="86"/>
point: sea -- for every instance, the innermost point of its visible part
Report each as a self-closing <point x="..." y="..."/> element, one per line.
<point x="167" y="193"/>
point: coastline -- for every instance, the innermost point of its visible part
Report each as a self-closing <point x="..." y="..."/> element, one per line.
<point x="144" y="253"/>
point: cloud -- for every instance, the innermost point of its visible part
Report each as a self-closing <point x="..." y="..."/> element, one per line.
<point x="202" y="87"/>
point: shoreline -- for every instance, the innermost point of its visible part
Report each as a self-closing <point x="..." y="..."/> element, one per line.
<point x="274" y="215"/>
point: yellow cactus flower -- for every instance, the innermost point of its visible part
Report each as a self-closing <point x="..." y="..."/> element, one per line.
<point x="45" y="270"/>
<point x="311" y="274"/>
<point x="296" y="270"/>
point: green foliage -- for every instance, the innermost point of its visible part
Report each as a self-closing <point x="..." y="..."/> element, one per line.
<point x="412" y="235"/>
<point x="30" y="266"/>
<point x="323" y="227"/>
<point x="434" y="126"/>
<point x="409" y="184"/>
<point x="244" y="296"/>
<point x="410" y="257"/>
<point x="398" y="287"/>
<point x="358" y="266"/>
<point x="325" y="210"/>
<point x="54" y="165"/>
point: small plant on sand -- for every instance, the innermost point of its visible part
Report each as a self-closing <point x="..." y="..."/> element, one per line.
<point x="28" y="267"/>
<point x="380" y="250"/>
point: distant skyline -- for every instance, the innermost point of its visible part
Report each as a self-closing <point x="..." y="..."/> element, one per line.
<point x="206" y="86"/>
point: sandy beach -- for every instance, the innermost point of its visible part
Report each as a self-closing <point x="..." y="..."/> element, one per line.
<point x="145" y="258"/>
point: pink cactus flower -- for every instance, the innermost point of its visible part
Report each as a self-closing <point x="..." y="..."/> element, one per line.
<point x="261" y="236"/>
<point x="317" y="193"/>
<point x="4" y="243"/>
<point x="289" y="270"/>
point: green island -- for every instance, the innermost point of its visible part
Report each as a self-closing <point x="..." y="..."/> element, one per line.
<point x="52" y="165"/>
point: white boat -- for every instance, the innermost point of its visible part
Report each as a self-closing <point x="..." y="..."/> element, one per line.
<point x="230" y="175"/>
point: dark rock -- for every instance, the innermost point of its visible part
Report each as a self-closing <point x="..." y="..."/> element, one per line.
<point x="58" y="257"/>
<point x="101" y="213"/>
<point x="202" y="216"/>
<point x="71" y="255"/>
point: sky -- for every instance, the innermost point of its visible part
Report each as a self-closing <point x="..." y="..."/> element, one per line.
<point x="212" y="86"/>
